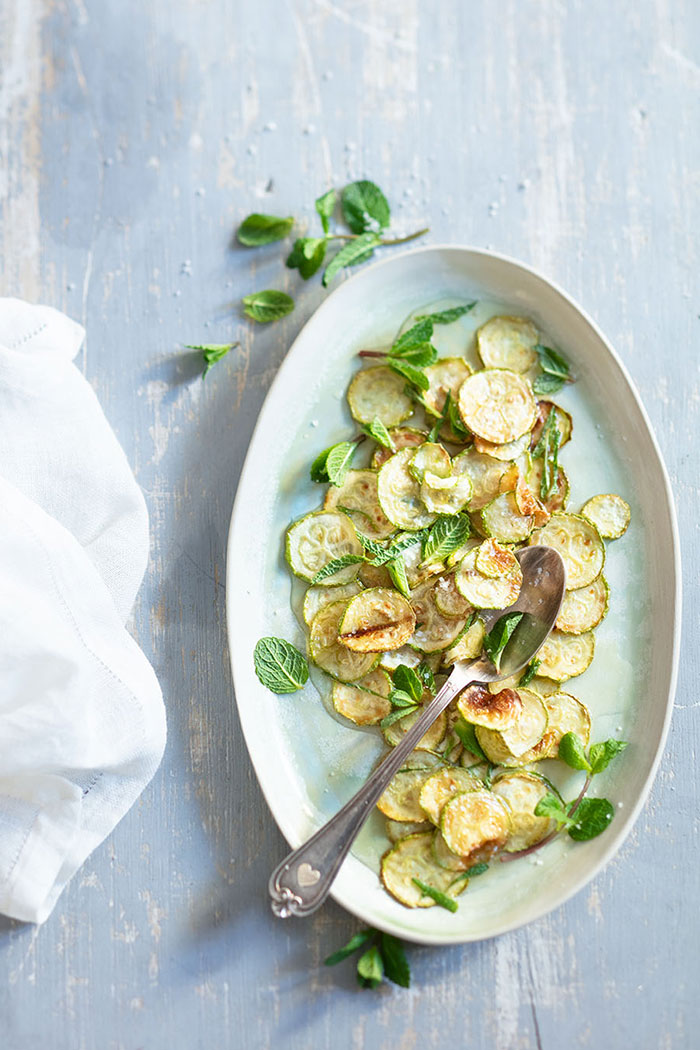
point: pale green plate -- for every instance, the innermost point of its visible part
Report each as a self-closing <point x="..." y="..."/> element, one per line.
<point x="307" y="762"/>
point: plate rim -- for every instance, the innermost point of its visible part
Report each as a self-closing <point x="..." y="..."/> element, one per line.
<point x="558" y="900"/>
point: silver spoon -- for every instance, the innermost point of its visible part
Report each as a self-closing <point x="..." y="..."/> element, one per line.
<point x="301" y="883"/>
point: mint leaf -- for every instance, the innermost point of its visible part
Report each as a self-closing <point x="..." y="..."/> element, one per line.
<point x="497" y="639"/>
<point x="550" y="457"/>
<point x="279" y="665"/>
<point x="307" y="255"/>
<point x="456" y="423"/>
<point x="442" y="418"/>
<point x="550" y="806"/>
<point x="325" y="206"/>
<point x="467" y="736"/>
<point x="547" y="384"/>
<point x="396" y="716"/>
<point x="405" y="678"/>
<point x="446" y="535"/>
<point x="378" y="432"/>
<point x="399" y="576"/>
<point x="416" y="336"/>
<point x="268" y="305"/>
<point x="400" y="698"/>
<point x="396" y="966"/>
<point x="365" y="207"/>
<point x="381" y="555"/>
<point x="553" y="363"/>
<point x="370" y="968"/>
<point x="353" y="944"/>
<point x="470" y="873"/>
<point x="414" y="375"/>
<point x="437" y="895"/>
<point x="571" y="751"/>
<point x="426" y="676"/>
<point x="317" y="470"/>
<point x="350" y="254"/>
<point x="529" y="672"/>
<point x="335" y="565"/>
<point x="212" y="352"/>
<point x="593" y="816"/>
<point x="420" y="356"/>
<point x="448" y="316"/>
<point x="601" y="755"/>
<point x="338" y="461"/>
<point x="257" y="229"/>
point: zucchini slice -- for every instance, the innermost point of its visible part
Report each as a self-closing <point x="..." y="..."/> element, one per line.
<point x="487" y="592"/>
<point x="445" y="375"/>
<point x="474" y="825"/>
<point x="494" y="560"/>
<point x="447" y="598"/>
<point x="498" y="405"/>
<point x="378" y="393"/>
<point x="434" y="632"/>
<point x="402" y="437"/>
<point x="566" y="715"/>
<point x="468" y="647"/>
<point x="412" y="858"/>
<point x="564" y="422"/>
<point x="443" y="855"/>
<point x="508" y="342"/>
<point x="358" y="498"/>
<point x="578" y="542"/>
<point x="529" y="727"/>
<point x="404" y="655"/>
<point x="559" y="496"/>
<point x="521" y="792"/>
<point x="430" y="740"/>
<point x="584" y="608"/>
<point x="399" y="493"/>
<point x="329" y="654"/>
<point x="441" y="786"/>
<point x="318" y="596"/>
<point x="374" y="576"/>
<point x="399" y="829"/>
<point x="521" y="743"/>
<point x="507" y="452"/>
<point x="485" y="473"/>
<point x="366" y="702"/>
<point x="481" y="707"/>
<point x="318" y="538"/>
<point x="400" y="799"/>
<point x="445" y="495"/>
<point x="418" y="571"/>
<point x="609" y="513"/>
<point x="565" y="656"/>
<point x="501" y="520"/>
<point x="376" y="621"/>
<point x="430" y="457"/>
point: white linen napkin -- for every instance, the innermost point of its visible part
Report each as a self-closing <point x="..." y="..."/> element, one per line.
<point x="82" y="724"/>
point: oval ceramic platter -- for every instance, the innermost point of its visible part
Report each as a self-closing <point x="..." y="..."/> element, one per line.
<point x="307" y="761"/>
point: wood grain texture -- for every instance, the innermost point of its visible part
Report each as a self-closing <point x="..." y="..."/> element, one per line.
<point x="133" y="137"/>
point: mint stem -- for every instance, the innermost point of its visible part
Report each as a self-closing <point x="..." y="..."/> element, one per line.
<point x="383" y="240"/>
<point x="372" y="353"/>
<point x="505" y="857"/>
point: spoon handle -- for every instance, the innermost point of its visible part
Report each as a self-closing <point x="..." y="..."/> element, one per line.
<point x="301" y="883"/>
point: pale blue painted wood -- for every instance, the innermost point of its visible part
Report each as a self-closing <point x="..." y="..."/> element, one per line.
<point x="135" y="137"/>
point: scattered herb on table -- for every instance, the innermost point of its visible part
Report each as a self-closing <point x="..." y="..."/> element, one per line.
<point x="384" y="959"/>
<point x="212" y="353"/>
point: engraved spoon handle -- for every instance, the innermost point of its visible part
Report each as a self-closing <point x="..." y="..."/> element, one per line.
<point x="301" y="883"/>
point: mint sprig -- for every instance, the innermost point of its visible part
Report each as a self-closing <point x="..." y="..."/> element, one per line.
<point x="385" y="959"/>
<point x="212" y="353"/>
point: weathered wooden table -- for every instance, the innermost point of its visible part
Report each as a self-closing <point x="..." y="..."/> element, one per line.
<point x="133" y="138"/>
